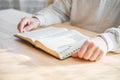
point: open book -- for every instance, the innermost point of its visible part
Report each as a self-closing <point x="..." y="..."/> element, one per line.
<point x="59" y="42"/>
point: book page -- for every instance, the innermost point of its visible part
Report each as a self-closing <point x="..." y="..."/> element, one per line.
<point x="64" y="43"/>
<point x="41" y="33"/>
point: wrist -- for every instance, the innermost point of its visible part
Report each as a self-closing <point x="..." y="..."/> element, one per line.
<point x="36" y="20"/>
<point x="104" y="41"/>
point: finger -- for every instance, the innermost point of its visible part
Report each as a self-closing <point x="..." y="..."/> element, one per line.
<point x="95" y="54"/>
<point x="83" y="49"/>
<point x="90" y="51"/>
<point x="19" y="27"/>
<point x="22" y="24"/>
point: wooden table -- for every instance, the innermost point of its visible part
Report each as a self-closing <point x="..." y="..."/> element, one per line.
<point x="20" y="61"/>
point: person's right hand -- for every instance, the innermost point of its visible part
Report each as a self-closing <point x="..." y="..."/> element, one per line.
<point x="28" y="24"/>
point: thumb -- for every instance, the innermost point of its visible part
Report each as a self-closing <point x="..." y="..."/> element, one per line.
<point x="75" y="54"/>
<point x="29" y="27"/>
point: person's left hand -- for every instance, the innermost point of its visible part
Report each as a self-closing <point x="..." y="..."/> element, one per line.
<point x="93" y="49"/>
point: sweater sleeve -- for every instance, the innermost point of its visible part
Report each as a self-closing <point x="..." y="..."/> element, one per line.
<point x="112" y="38"/>
<point x="57" y="12"/>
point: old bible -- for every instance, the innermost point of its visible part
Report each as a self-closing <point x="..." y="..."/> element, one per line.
<point x="59" y="42"/>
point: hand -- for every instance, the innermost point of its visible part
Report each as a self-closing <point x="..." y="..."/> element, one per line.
<point x="27" y="24"/>
<point x="92" y="50"/>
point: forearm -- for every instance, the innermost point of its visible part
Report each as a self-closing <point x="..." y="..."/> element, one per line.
<point x="58" y="12"/>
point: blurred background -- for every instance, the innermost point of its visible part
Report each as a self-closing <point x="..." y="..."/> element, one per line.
<point x="30" y="6"/>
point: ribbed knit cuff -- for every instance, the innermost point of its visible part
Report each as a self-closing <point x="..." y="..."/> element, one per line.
<point x="110" y="40"/>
